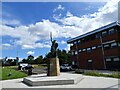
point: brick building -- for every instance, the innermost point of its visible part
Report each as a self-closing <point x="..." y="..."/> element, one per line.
<point x="98" y="49"/>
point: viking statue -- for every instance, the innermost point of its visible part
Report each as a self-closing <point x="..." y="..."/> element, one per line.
<point x="54" y="48"/>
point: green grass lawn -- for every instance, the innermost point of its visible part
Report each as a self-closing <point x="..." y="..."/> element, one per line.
<point x="14" y="73"/>
<point x="93" y="73"/>
<point x="39" y="66"/>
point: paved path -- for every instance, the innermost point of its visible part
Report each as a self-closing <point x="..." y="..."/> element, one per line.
<point x="87" y="82"/>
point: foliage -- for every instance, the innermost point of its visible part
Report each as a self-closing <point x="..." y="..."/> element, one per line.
<point x="30" y="59"/>
<point x="9" y="62"/>
<point x="39" y="60"/>
<point x="63" y="56"/>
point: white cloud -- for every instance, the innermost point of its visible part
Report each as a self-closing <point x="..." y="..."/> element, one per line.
<point x="11" y="22"/>
<point x="63" y="42"/>
<point x="69" y="14"/>
<point x="85" y="23"/>
<point x="60" y="7"/>
<point x="6" y="46"/>
<point x="67" y="48"/>
<point x="30" y="52"/>
<point x="9" y="18"/>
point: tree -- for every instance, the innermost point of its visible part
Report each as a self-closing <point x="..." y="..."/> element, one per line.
<point x="8" y="62"/>
<point x="17" y="59"/>
<point x="64" y="56"/>
<point x="30" y="59"/>
<point x="39" y="60"/>
<point x="24" y="60"/>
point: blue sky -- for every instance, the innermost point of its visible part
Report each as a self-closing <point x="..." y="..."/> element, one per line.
<point x="26" y="25"/>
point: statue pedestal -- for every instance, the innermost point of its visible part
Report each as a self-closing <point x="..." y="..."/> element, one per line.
<point x="54" y="67"/>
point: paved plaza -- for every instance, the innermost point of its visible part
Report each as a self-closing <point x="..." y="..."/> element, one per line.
<point x="86" y="82"/>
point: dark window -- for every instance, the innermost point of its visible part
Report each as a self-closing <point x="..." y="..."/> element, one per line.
<point x="71" y="44"/>
<point x="98" y="35"/>
<point x="83" y="40"/>
<point x="99" y="46"/>
<point x="90" y="61"/>
<point x="106" y="46"/>
<point x="118" y="30"/>
<point x="88" y="49"/>
<point x="116" y="59"/>
<point x="80" y="50"/>
<point x="83" y="50"/>
<point x="118" y="44"/>
<point x="79" y="41"/>
<point x="87" y="38"/>
<point x="104" y="33"/>
<point x="93" y="37"/>
<point x="111" y="31"/>
<point x="76" y="52"/>
<point x="114" y="44"/>
<point x="93" y="47"/>
<point x="108" y="59"/>
<point x="75" y="42"/>
<point x="72" y="53"/>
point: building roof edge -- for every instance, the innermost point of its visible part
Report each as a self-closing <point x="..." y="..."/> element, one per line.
<point x="95" y="31"/>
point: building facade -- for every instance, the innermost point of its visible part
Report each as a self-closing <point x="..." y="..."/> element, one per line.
<point x="98" y="49"/>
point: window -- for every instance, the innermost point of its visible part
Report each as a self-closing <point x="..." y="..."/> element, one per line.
<point x="87" y="38"/>
<point x="72" y="52"/>
<point x="89" y="61"/>
<point x="75" y="52"/>
<point x="116" y="59"/>
<point x="88" y="49"/>
<point x="98" y="35"/>
<point x="111" y="31"/>
<point x="79" y="41"/>
<point x="80" y="50"/>
<point x="118" y="44"/>
<point x="104" y="33"/>
<point x="93" y="37"/>
<point x="106" y="46"/>
<point x="83" y="50"/>
<point x="73" y="62"/>
<point x="75" y="42"/>
<point x="99" y="46"/>
<point x="83" y="40"/>
<point x="93" y="47"/>
<point x="71" y="44"/>
<point x="113" y="44"/>
<point x="108" y="59"/>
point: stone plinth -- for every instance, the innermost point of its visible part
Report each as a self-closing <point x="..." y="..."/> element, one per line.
<point x="44" y="80"/>
<point x="54" y="67"/>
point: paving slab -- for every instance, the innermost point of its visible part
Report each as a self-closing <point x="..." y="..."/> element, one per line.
<point x="44" y="80"/>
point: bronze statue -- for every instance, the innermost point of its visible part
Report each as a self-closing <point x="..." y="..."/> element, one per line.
<point x="54" y="48"/>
